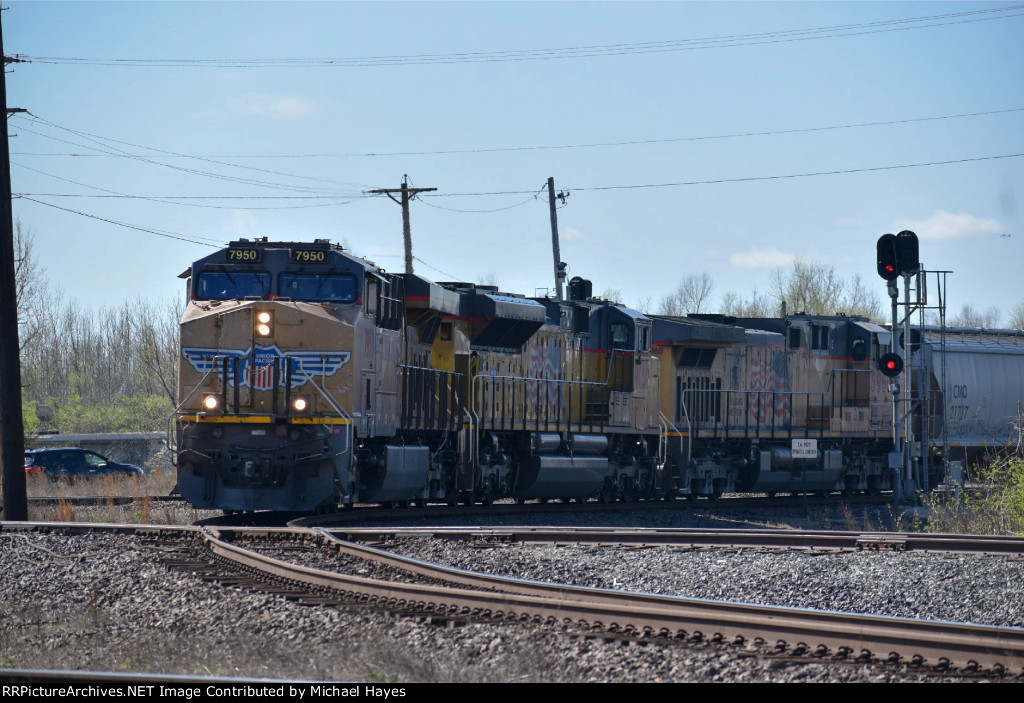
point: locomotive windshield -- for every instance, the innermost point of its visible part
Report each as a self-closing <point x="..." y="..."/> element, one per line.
<point x="231" y="285"/>
<point x="319" y="287"/>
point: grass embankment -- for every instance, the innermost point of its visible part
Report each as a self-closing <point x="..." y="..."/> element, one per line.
<point x="995" y="506"/>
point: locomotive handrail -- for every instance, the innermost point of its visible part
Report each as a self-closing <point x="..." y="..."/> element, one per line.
<point x="440" y="376"/>
<point x="666" y="425"/>
<point x="337" y="408"/>
<point x="174" y="413"/>
<point x="479" y="378"/>
<point x="611" y="365"/>
<point x="773" y="395"/>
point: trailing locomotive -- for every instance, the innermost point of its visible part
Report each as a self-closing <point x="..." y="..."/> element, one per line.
<point x="310" y="378"/>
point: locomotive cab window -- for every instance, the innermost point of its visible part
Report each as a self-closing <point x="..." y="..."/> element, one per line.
<point x="819" y="337"/>
<point x="619" y="335"/>
<point x="370" y="299"/>
<point x="644" y="338"/>
<point x="317" y="287"/>
<point x="859" y="350"/>
<point x="231" y="285"/>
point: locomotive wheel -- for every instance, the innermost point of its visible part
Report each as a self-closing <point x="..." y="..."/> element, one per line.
<point x="607" y="494"/>
<point x="420" y="502"/>
<point x="628" y="494"/>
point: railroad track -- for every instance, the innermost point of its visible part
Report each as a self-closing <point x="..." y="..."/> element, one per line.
<point x="786" y="631"/>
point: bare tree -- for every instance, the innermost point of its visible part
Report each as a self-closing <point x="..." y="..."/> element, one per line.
<point x="691" y="295"/>
<point x="490" y="279"/>
<point x="156" y="343"/>
<point x="1017" y="316"/>
<point x="645" y="305"/>
<point x="814" y="288"/>
<point x="858" y="300"/>
<point x="811" y="287"/>
<point x="612" y="294"/>
<point x="29" y="285"/>
<point x="757" y="305"/>
<point x="969" y="316"/>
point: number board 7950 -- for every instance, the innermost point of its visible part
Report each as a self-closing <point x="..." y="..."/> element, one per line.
<point x="309" y="256"/>
<point x="247" y="255"/>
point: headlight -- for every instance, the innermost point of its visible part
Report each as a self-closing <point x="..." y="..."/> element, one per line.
<point x="264" y="323"/>
<point x="300" y="404"/>
<point x="211" y="402"/>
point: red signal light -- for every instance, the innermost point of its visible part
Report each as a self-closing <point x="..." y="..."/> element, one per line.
<point x="890" y="365"/>
<point x="888" y="262"/>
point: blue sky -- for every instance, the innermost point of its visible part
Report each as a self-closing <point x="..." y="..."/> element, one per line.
<point x="287" y="151"/>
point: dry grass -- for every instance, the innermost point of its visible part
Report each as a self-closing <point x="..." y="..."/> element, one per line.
<point x="144" y="510"/>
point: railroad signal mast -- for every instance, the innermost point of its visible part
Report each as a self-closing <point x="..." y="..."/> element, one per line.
<point x="898" y="256"/>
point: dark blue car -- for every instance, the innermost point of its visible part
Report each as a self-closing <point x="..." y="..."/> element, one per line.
<point x="73" y="462"/>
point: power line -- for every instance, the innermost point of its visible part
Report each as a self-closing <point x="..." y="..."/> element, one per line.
<point x="171" y="199"/>
<point x="542" y="147"/>
<point x="109" y="149"/>
<point x="674" y="45"/>
<point x="191" y="239"/>
<point x="632" y="186"/>
<point x="497" y="209"/>
<point x="743" y="179"/>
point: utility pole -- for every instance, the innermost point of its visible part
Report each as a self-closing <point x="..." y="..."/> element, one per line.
<point x="559" y="265"/>
<point x="407" y="195"/>
<point x="12" y="429"/>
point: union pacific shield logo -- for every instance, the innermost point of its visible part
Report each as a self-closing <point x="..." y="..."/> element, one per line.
<point x="255" y="368"/>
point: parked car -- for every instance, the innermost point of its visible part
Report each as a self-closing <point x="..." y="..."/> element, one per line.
<point x="74" y="462"/>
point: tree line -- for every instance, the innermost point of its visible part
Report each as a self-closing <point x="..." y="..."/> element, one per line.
<point x="111" y="369"/>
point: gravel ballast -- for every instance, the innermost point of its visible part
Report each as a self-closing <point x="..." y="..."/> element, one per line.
<point x="107" y="602"/>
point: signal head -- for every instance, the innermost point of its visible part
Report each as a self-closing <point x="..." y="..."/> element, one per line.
<point x="888" y="261"/>
<point x="891" y="365"/>
<point x="907" y="252"/>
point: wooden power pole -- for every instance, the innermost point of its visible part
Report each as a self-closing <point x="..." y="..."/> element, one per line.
<point x="12" y="428"/>
<point x="407" y="194"/>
